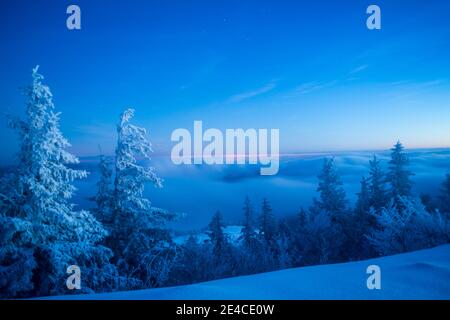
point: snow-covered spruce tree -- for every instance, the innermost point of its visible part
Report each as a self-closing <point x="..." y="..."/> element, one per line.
<point x="104" y="198"/>
<point x="267" y="223"/>
<point x="444" y="197"/>
<point x="361" y="221"/>
<point x="223" y="259"/>
<point x="217" y="236"/>
<point x="248" y="232"/>
<point x="268" y="236"/>
<point x="407" y="229"/>
<point x="377" y="185"/>
<point x="250" y="246"/>
<point x="363" y="201"/>
<point x="398" y="176"/>
<point x="332" y="195"/>
<point x="141" y="245"/>
<point x="41" y="233"/>
<point x="332" y="203"/>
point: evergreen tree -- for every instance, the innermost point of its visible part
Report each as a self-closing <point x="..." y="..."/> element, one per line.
<point x="217" y="236"/>
<point x="248" y="233"/>
<point x="377" y="188"/>
<point x="332" y="195"/>
<point x="322" y="238"/>
<point x="40" y="232"/>
<point x="360" y="223"/>
<point x="363" y="201"/>
<point x="399" y="176"/>
<point x="267" y="227"/>
<point x="445" y="196"/>
<point x="193" y="263"/>
<point x="141" y="244"/>
<point x="104" y="198"/>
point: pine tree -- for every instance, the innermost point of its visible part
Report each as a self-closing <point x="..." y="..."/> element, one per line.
<point x="216" y="235"/>
<point x="445" y="196"/>
<point x="363" y="201"/>
<point x="377" y="188"/>
<point x="267" y="227"/>
<point x="104" y="198"/>
<point x="399" y="176"/>
<point x="360" y="223"/>
<point x="40" y="231"/>
<point x="141" y="244"/>
<point x="248" y="233"/>
<point x="332" y="194"/>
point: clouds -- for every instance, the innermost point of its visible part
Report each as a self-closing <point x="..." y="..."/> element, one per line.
<point x="251" y="94"/>
<point x="351" y="165"/>
<point x="359" y="69"/>
<point x="200" y="190"/>
<point x="309" y="87"/>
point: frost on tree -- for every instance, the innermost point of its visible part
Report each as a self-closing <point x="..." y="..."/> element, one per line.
<point x="407" y="229"/>
<point x="332" y="194"/>
<point x="140" y="242"/>
<point x="41" y="233"/>
<point x="104" y="197"/>
<point x="399" y="176"/>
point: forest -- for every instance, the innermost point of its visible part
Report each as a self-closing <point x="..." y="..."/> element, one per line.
<point x="124" y="242"/>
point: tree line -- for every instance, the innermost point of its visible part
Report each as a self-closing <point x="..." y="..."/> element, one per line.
<point x="123" y="243"/>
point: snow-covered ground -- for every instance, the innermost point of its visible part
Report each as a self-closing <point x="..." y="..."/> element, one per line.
<point x="422" y="274"/>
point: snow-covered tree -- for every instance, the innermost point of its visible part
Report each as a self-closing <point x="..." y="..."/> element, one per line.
<point x="217" y="236"/>
<point x="360" y="222"/>
<point x="407" y="229"/>
<point x="363" y="201"/>
<point x="193" y="263"/>
<point x="248" y="232"/>
<point x="104" y="198"/>
<point x="377" y="188"/>
<point x="322" y="238"/>
<point x="444" y="197"/>
<point x="399" y="176"/>
<point x="267" y="223"/>
<point x="141" y="244"/>
<point x="332" y="195"/>
<point x="41" y="233"/>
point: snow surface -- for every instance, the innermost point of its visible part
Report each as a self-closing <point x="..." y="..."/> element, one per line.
<point x="423" y="274"/>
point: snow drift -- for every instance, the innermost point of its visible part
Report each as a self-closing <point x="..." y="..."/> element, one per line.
<point x="423" y="274"/>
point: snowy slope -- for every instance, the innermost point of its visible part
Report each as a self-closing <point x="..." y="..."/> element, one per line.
<point x="422" y="274"/>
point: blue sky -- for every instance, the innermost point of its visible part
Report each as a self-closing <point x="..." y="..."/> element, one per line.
<point x="310" y="68"/>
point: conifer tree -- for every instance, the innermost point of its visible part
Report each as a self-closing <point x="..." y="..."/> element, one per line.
<point x="332" y="195"/>
<point x="216" y="235"/>
<point x="248" y="235"/>
<point x="363" y="201"/>
<point x="399" y="176"/>
<point x="267" y="224"/>
<point x="141" y="244"/>
<point x="445" y="196"/>
<point x="41" y="233"/>
<point x="377" y="188"/>
<point x="104" y="198"/>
